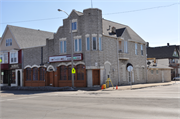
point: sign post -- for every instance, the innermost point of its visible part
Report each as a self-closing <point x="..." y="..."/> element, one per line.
<point x="130" y="69"/>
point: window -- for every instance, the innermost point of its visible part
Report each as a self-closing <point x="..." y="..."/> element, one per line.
<point x="125" y="47"/>
<point x="42" y="74"/>
<point x="94" y="42"/>
<point x="141" y="49"/>
<point x="63" y="46"/>
<point x="151" y="71"/>
<point x="136" y="49"/>
<point x="4" y="58"/>
<point x="156" y="71"/>
<point x="77" y="45"/>
<point x="13" y="57"/>
<point x="87" y="43"/>
<point x="74" y="26"/>
<point x="28" y="74"/>
<point x="8" y="42"/>
<point x="35" y="74"/>
<point x="100" y="43"/>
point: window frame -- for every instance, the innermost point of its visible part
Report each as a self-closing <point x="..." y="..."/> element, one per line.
<point x="142" y="53"/>
<point x="125" y="46"/>
<point x="72" y="25"/>
<point x="136" y="51"/>
<point x="78" y="45"/>
<point x="93" y="44"/>
<point x="87" y="44"/>
<point x="8" y="42"/>
<point x="64" y="49"/>
<point x="16" y="56"/>
<point x="100" y="43"/>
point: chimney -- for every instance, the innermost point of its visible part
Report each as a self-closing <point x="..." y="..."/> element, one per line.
<point x="167" y="44"/>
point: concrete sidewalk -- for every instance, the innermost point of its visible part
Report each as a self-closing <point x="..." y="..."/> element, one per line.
<point x="139" y="86"/>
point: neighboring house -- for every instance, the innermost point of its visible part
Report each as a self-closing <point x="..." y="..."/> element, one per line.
<point x="101" y="48"/>
<point x="158" y="72"/>
<point x="12" y="44"/>
<point x="166" y="56"/>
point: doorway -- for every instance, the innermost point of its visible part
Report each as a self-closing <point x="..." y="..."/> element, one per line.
<point x="19" y="78"/>
<point x="50" y="78"/>
<point x="96" y="76"/>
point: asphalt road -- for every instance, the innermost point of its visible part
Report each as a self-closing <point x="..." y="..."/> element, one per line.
<point x="148" y="103"/>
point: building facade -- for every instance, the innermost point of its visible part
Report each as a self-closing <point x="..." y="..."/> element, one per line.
<point x="12" y="44"/>
<point x="101" y="48"/>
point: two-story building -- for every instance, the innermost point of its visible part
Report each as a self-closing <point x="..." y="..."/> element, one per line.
<point x="12" y="44"/>
<point x="166" y="56"/>
<point x="101" y="48"/>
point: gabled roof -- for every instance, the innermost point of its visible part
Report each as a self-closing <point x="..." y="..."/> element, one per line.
<point x="107" y="25"/>
<point x="28" y="38"/>
<point x="161" y="52"/>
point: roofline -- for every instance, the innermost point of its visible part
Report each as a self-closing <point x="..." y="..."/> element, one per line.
<point x="115" y="22"/>
<point x="33" y="47"/>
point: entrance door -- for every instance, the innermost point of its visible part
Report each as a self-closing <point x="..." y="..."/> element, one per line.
<point x="96" y="77"/>
<point x="51" y="78"/>
<point x="19" y="78"/>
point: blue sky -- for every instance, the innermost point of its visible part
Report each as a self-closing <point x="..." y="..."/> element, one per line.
<point x="157" y="26"/>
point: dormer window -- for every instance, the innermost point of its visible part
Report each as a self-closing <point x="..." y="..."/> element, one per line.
<point x="8" y="42"/>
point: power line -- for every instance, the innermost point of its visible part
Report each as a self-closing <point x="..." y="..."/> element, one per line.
<point x="142" y="9"/>
<point x="103" y="14"/>
<point x="32" y="20"/>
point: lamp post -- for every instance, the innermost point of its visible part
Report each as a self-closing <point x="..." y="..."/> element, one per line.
<point x="71" y="47"/>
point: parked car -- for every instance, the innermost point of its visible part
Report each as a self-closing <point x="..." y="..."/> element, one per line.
<point x="176" y="78"/>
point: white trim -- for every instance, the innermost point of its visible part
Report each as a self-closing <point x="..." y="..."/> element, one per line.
<point x="62" y="39"/>
<point x="35" y="66"/>
<point x="94" y="67"/>
<point x="100" y="35"/>
<point x="77" y="37"/>
<point x="50" y="66"/>
<point x="94" y="35"/>
<point x="28" y="66"/>
<point x="87" y="35"/>
<point x="80" y="62"/>
<point x="107" y="62"/>
<point x="92" y="42"/>
<point x="62" y="64"/>
<point x="74" y="20"/>
<point x="16" y="53"/>
<point x="70" y="64"/>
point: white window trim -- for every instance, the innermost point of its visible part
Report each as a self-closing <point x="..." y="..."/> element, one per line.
<point x="87" y="36"/>
<point x="62" y="46"/>
<point x="136" y="53"/>
<point x="14" y="51"/>
<point x="125" y="46"/>
<point x="94" y="35"/>
<point x="72" y="21"/>
<point x="77" y="38"/>
<point x="9" y="42"/>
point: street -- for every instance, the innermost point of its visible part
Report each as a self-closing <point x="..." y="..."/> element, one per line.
<point x="161" y="102"/>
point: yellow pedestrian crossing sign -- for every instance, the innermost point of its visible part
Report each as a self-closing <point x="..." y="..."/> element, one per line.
<point x="73" y="71"/>
<point x="0" y="60"/>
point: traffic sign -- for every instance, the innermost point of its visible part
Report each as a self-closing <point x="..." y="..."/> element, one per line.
<point x="73" y="71"/>
<point x="0" y="60"/>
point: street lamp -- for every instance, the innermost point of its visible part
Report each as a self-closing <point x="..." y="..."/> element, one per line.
<point x="71" y="47"/>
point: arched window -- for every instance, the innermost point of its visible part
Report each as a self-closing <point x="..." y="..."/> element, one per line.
<point x="35" y="74"/>
<point x="42" y="73"/>
<point x="63" y="72"/>
<point x="28" y="74"/>
<point x="80" y="72"/>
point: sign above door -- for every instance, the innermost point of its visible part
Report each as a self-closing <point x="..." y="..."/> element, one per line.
<point x="66" y="58"/>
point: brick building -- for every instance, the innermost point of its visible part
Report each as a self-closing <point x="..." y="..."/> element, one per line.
<point x="101" y="48"/>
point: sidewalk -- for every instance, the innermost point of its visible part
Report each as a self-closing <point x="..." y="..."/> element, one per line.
<point x="139" y="86"/>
